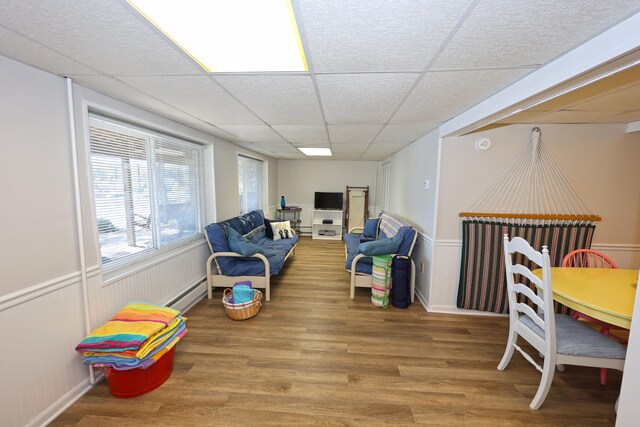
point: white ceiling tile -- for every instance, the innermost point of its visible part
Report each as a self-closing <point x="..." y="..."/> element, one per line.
<point x="362" y="98"/>
<point x="292" y="156"/>
<point x="374" y="156"/>
<point x="441" y="95"/>
<point x="404" y="133"/>
<point x="277" y="147"/>
<point x="349" y="148"/>
<point x="125" y="93"/>
<point x="197" y="95"/>
<point x="289" y="100"/>
<point x="385" y="149"/>
<point x="29" y="52"/>
<point x="532" y="32"/>
<point x="105" y="34"/>
<point x="303" y="135"/>
<point x="255" y="134"/>
<point x="353" y="134"/>
<point x="347" y="156"/>
<point x="374" y="35"/>
<point x="622" y="100"/>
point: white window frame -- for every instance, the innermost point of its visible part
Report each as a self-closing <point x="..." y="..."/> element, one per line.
<point x="386" y="181"/>
<point x="123" y="264"/>
<point x="242" y="199"/>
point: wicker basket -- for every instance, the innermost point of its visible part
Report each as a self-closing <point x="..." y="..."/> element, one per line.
<point x="242" y="311"/>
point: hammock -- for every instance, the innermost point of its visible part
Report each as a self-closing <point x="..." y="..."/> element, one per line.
<point x="531" y="198"/>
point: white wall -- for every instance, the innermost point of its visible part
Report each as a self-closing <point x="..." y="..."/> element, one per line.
<point x="410" y="167"/>
<point x="41" y="304"/>
<point x="226" y="175"/>
<point x="599" y="160"/>
<point x="37" y="221"/>
<point x="299" y="179"/>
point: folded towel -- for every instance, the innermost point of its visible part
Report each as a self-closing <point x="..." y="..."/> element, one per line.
<point x="123" y="360"/>
<point x="242" y="294"/>
<point x="129" y="328"/>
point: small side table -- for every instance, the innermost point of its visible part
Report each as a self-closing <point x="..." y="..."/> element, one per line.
<point x="292" y="215"/>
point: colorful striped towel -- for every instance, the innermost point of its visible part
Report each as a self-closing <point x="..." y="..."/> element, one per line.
<point x="129" y="328"/>
<point x="123" y="361"/>
<point x="143" y="364"/>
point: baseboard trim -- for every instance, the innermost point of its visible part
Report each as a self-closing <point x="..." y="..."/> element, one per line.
<point x="183" y="302"/>
<point x="64" y="402"/>
<point x="423" y="301"/>
<point x="445" y="309"/>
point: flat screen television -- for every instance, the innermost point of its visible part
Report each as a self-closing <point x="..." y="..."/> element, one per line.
<point x="327" y="201"/>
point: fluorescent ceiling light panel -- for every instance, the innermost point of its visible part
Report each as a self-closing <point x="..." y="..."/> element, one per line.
<point x="230" y="35"/>
<point x="316" y="151"/>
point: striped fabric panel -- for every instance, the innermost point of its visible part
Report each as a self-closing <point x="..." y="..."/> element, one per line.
<point x="482" y="284"/>
<point x="390" y="224"/>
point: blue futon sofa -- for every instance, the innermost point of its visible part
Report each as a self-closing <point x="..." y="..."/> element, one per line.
<point x="242" y="249"/>
<point x="386" y="235"/>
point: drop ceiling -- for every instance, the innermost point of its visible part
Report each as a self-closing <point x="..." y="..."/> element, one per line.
<point x="381" y="73"/>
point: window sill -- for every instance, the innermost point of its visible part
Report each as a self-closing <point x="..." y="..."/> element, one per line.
<point x="120" y="273"/>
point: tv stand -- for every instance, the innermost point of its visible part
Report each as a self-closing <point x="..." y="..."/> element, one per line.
<point x="331" y="231"/>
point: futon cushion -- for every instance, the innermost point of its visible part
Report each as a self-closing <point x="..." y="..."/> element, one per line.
<point x="381" y="247"/>
<point x="574" y="338"/>
<point x="352" y="241"/>
<point x="370" y="228"/>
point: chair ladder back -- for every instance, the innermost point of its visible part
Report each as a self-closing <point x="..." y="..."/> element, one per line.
<point x="587" y="258"/>
<point x="518" y="245"/>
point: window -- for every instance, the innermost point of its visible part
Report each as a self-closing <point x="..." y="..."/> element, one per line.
<point x="249" y="183"/>
<point x="386" y="178"/>
<point x="147" y="190"/>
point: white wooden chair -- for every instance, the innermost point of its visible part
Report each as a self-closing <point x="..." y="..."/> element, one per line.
<point x="560" y="339"/>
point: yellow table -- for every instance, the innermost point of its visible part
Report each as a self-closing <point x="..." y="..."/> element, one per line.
<point x="602" y="293"/>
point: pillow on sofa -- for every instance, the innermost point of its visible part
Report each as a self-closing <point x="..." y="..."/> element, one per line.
<point x="380" y="247"/>
<point x="370" y="228"/>
<point x="282" y="230"/>
<point x="241" y="245"/>
<point x="267" y="227"/>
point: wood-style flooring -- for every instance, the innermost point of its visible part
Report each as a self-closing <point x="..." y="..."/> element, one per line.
<point x="313" y="356"/>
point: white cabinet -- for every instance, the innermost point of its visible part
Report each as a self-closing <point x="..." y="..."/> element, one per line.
<point x="327" y="224"/>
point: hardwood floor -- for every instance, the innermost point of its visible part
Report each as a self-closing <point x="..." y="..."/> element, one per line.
<point x="313" y="356"/>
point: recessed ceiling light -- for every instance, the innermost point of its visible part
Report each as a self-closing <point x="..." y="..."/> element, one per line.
<point x="230" y="36"/>
<point x="316" y="151"/>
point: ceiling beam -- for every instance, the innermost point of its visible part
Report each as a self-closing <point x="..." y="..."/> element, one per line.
<point x="633" y="126"/>
<point x="605" y="48"/>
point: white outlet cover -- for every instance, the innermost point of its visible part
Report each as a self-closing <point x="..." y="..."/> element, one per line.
<point x="483" y="144"/>
<point x="426" y="184"/>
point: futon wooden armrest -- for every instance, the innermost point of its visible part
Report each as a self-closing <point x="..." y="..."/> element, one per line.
<point x="361" y="230"/>
<point x="267" y="269"/>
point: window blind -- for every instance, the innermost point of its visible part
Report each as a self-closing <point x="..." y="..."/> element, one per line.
<point x="249" y="184"/>
<point x="147" y="190"/>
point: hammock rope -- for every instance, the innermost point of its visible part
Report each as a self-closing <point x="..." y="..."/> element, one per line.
<point x="532" y="189"/>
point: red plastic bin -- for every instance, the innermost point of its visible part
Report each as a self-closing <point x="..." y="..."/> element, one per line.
<point x="136" y="382"/>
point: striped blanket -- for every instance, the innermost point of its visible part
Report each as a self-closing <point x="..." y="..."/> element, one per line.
<point x="129" y="328"/>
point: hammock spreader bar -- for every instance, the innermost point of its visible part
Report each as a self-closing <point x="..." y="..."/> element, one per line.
<point x="549" y="217"/>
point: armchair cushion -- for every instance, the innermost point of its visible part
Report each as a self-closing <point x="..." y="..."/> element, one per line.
<point x="371" y="228"/>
